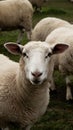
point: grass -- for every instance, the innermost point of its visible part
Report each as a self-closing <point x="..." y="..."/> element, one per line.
<point x="59" y="115"/>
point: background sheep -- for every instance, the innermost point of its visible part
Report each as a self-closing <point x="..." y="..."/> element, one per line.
<point x="62" y="61"/>
<point x="38" y="3"/>
<point x="16" y="14"/>
<point x="46" y="26"/>
<point x="24" y="86"/>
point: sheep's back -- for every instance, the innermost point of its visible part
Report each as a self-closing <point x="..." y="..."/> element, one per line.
<point x="63" y="35"/>
<point x="46" y="26"/>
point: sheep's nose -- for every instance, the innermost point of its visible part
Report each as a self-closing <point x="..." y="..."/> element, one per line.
<point x="36" y="74"/>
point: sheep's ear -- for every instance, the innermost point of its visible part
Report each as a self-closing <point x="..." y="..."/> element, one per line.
<point x="59" y="48"/>
<point x="14" y="48"/>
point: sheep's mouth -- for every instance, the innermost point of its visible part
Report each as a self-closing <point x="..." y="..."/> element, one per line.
<point x="36" y="82"/>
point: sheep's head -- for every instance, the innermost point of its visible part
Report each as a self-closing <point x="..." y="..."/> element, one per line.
<point x="36" y="57"/>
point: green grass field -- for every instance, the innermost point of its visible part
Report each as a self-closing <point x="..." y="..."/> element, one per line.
<point x="59" y="115"/>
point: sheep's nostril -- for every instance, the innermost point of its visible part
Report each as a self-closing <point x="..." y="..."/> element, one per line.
<point x="36" y="74"/>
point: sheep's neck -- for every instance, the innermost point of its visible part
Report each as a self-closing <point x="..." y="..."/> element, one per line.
<point x="32" y="100"/>
<point x="26" y="89"/>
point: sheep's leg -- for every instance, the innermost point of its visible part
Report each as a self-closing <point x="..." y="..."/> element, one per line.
<point x="20" y="36"/>
<point x="29" y="35"/>
<point x="53" y="88"/>
<point x="68" y="89"/>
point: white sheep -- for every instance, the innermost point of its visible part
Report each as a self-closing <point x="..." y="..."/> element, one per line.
<point x="24" y="91"/>
<point x="38" y="3"/>
<point x="64" y="61"/>
<point x="45" y="26"/>
<point x="16" y="14"/>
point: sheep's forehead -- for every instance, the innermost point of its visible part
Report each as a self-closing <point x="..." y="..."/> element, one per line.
<point x="36" y="46"/>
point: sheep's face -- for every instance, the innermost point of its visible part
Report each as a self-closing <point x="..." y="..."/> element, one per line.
<point x="36" y="59"/>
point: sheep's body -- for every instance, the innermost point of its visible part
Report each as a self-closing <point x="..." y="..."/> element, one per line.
<point x="24" y="91"/>
<point x="46" y="26"/>
<point x="16" y="14"/>
<point x="21" y="103"/>
<point x="15" y="108"/>
<point x="63" y="61"/>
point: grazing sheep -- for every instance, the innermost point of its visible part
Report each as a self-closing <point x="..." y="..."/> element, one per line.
<point x="44" y="27"/>
<point x="64" y="61"/>
<point x="24" y="91"/>
<point x="38" y="3"/>
<point x="16" y="14"/>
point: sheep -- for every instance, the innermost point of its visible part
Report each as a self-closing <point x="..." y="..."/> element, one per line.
<point x="64" y="61"/>
<point x="24" y="90"/>
<point x="38" y="4"/>
<point x="16" y="14"/>
<point x="45" y="26"/>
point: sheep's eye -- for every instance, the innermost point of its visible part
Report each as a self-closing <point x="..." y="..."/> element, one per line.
<point x="25" y="55"/>
<point x="49" y="54"/>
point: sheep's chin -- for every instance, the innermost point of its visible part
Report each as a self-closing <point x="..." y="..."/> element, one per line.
<point x="36" y="83"/>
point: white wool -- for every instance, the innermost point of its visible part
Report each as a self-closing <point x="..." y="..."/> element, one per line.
<point x="63" y="61"/>
<point x="24" y="86"/>
<point x="45" y="26"/>
<point x="16" y="14"/>
<point x="22" y="102"/>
